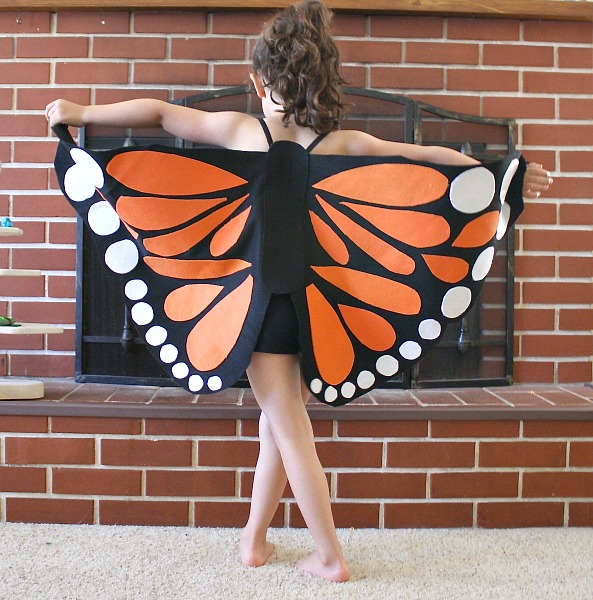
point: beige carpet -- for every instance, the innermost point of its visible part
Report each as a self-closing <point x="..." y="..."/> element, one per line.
<point x="81" y="562"/>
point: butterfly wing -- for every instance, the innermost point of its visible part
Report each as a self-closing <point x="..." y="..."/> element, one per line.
<point x="178" y="228"/>
<point x="398" y="250"/>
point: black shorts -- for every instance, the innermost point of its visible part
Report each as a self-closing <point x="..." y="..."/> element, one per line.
<point x="280" y="330"/>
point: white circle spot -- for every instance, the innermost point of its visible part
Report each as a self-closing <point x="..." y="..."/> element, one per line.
<point x="316" y="386"/>
<point x="136" y="289"/>
<point x="103" y="220"/>
<point x="483" y="264"/>
<point x="169" y="353"/>
<point x="142" y="313"/>
<point x="156" y="335"/>
<point x="214" y="383"/>
<point x="330" y="394"/>
<point x="456" y="301"/>
<point x="195" y="383"/>
<point x="348" y="389"/>
<point x="387" y="365"/>
<point x="121" y="257"/>
<point x="503" y="221"/>
<point x="82" y="178"/>
<point x="365" y="379"/>
<point x="410" y="350"/>
<point x="180" y="371"/>
<point x="473" y="190"/>
<point x="508" y="177"/>
<point x="429" y="329"/>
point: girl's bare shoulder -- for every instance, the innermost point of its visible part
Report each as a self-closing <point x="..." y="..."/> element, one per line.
<point x="358" y="143"/>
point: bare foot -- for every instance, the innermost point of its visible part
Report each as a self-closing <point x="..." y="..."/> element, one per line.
<point x="337" y="571"/>
<point x="254" y="554"/>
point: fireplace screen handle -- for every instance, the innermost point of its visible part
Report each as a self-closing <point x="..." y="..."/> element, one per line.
<point x="127" y="334"/>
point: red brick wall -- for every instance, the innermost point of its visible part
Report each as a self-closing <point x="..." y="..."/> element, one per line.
<point x="381" y="473"/>
<point x="537" y="72"/>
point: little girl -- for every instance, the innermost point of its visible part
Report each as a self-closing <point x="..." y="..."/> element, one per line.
<point x="296" y="75"/>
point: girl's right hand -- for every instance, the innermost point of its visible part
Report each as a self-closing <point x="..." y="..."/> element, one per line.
<point x="62" y="111"/>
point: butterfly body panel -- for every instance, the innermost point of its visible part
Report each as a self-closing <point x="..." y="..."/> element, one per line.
<point x="377" y="253"/>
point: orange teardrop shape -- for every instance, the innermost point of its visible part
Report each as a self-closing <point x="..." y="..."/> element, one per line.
<point x="189" y="301"/>
<point x="370" y="329"/>
<point x="332" y="348"/>
<point x="210" y="342"/>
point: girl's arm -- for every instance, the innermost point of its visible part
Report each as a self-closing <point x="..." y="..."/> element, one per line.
<point x="218" y="128"/>
<point x="358" y="142"/>
<point x="536" y="180"/>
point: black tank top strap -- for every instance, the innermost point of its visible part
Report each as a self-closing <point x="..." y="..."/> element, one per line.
<point x="310" y="147"/>
<point x="315" y="142"/>
<point x="264" y="126"/>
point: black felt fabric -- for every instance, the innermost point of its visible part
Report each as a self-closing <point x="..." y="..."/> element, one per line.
<point x="281" y="253"/>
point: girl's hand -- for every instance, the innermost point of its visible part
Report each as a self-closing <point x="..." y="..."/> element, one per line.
<point x="62" y="111"/>
<point x="536" y="181"/>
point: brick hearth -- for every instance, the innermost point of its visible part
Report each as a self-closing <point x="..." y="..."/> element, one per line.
<point x="517" y="456"/>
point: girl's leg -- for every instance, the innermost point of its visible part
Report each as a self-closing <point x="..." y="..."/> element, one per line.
<point x="269" y="483"/>
<point x="276" y="383"/>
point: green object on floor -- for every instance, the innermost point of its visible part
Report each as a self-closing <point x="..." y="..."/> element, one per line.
<point x="8" y="322"/>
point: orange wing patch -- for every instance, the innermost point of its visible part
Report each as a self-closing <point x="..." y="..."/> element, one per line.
<point x="222" y="326"/>
<point x="388" y="184"/>
<point x="373" y="289"/>
<point x="479" y="231"/>
<point x="421" y="230"/>
<point x="187" y="302"/>
<point x="447" y="268"/>
<point x="195" y="269"/>
<point x="332" y="347"/>
<point x="370" y="329"/>
<point x="330" y="241"/>
<point x="176" y="242"/>
<point x="151" y="214"/>
<point x="385" y="254"/>
<point x="169" y="174"/>
<point x="228" y="235"/>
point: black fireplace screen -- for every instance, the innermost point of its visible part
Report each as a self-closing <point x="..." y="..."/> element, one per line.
<point x="476" y="351"/>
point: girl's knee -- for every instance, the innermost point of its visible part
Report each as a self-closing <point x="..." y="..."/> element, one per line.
<point x="265" y="431"/>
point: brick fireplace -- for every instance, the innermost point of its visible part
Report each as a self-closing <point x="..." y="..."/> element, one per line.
<point x="537" y="72"/>
<point x="517" y="456"/>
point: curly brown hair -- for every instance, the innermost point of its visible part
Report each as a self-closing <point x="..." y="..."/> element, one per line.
<point x="299" y="61"/>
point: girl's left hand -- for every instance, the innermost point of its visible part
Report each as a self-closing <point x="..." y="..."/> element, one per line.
<point x="536" y="181"/>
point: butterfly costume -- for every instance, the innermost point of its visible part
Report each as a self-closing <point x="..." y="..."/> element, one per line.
<point x="377" y="253"/>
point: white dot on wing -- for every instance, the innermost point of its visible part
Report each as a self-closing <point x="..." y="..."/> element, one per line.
<point x="169" y="353"/>
<point x="136" y="289"/>
<point x="121" y="257"/>
<point x="142" y="313"/>
<point x="316" y="386"/>
<point x="429" y="329"/>
<point x="473" y="190"/>
<point x="180" y="370"/>
<point x="156" y="335"/>
<point x="387" y="365"/>
<point x="214" y="383"/>
<point x="195" y="383"/>
<point x="330" y="394"/>
<point x="365" y="380"/>
<point x="103" y="219"/>
<point x="456" y="301"/>
<point x="348" y="389"/>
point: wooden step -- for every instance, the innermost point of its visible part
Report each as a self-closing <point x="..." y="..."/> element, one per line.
<point x="31" y="329"/>
<point x="20" y="273"/>
<point x="20" y="389"/>
<point x="10" y="231"/>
